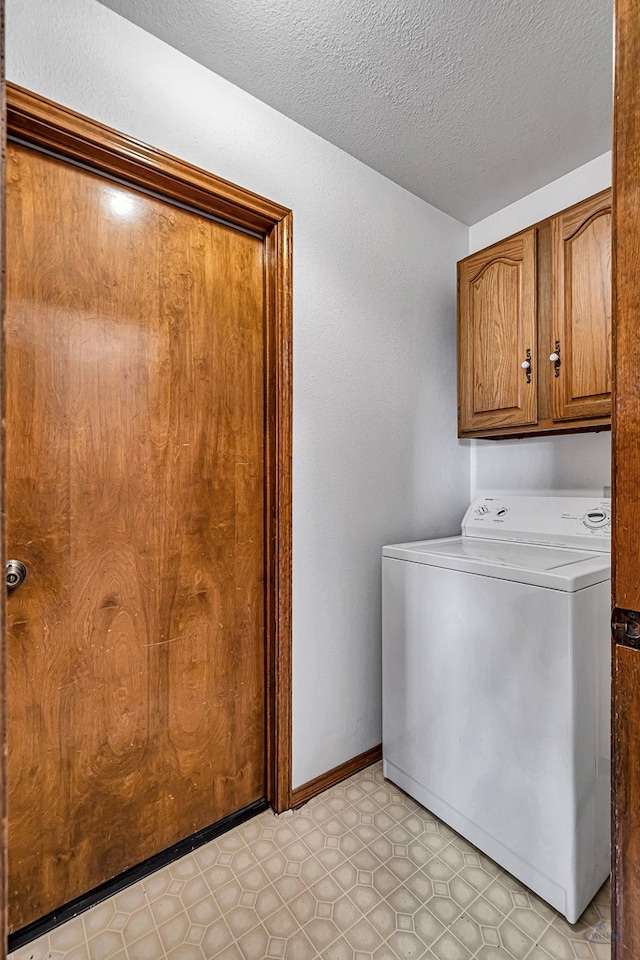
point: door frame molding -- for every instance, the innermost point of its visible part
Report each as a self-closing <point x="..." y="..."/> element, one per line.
<point x="50" y="126"/>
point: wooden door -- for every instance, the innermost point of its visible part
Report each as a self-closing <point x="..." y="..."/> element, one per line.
<point x="135" y="479"/>
<point x="581" y="337"/>
<point x="497" y="334"/>
<point x="626" y="499"/>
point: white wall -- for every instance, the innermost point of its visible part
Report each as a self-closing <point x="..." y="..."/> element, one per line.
<point x="375" y="452"/>
<point x="582" y="182"/>
<point x="577" y="463"/>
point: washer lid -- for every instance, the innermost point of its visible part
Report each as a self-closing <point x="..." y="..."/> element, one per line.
<point x="554" y="567"/>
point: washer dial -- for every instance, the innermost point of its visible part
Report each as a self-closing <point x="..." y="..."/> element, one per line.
<point x="597" y="518"/>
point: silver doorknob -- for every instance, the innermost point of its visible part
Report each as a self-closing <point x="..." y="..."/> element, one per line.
<point x="15" y="574"/>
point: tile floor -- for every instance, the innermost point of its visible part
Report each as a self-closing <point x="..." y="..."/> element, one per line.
<point x="360" y="873"/>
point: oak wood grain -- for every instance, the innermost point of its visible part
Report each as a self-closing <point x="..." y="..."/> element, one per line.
<point x="581" y="281"/>
<point x="3" y="556"/>
<point x="50" y="125"/>
<point x="136" y="476"/>
<point x="626" y="469"/>
<point x="496" y="328"/>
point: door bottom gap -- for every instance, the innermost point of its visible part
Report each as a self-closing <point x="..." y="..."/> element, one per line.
<point x="109" y="888"/>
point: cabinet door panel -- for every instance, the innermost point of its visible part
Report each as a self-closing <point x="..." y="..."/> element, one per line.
<point x="581" y="239"/>
<point x="497" y="326"/>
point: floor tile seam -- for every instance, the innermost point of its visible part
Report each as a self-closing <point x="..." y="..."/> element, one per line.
<point x="208" y="896"/>
<point x="387" y="943"/>
<point x="479" y="893"/>
<point x="385" y="862"/>
<point x="272" y="886"/>
<point x="386" y="939"/>
<point x="153" y="918"/>
<point x="53" y="950"/>
<point x="238" y="876"/>
<point x="353" y="806"/>
<point x="326" y="947"/>
<point x="536" y="941"/>
<point x="465" y="910"/>
<point x="234" y="939"/>
<point x="198" y="868"/>
<point x="248" y="930"/>
<point x="539" y="947"/>
<point x="413" y="837"/>
<point x="175" y="917"/>
<point x="593" y="953"/>
<point x="95" y="936"/>
<point x="315" y="852"/>
<point x="448" y="930"/>
<point x="348" y="894"/>
<point x="84" y="927"/>
<point x="131" y="942"/>
<point x="365" y="916"/>
<point x="351" y="833"/>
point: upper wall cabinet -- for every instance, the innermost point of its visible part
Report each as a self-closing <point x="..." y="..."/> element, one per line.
<point x="497" y="303"/>
<point x="581" y="289"/>
<point x="534" y="328"/>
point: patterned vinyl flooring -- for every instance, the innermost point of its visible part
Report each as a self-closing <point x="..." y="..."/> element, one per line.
<point x="361" y="872"/>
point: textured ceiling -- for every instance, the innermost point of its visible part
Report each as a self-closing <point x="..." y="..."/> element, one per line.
<point x="470" y="104"/>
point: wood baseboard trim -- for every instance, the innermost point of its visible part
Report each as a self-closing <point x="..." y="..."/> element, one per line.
<point x="329" y="779"/>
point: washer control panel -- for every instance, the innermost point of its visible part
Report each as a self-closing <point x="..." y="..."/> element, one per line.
<point x="562" y="521"/>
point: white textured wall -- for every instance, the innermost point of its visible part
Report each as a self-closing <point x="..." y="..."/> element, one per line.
<point x="375" y="452"/>
<point x="574" y="463"/>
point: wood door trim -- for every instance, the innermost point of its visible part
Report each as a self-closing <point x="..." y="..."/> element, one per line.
<point x="625" y="734"/>
<point x="4" y="926"/>
<point x="48" y="125"/>
<point x="54" y="127"/>
<point x="279" y="536"/>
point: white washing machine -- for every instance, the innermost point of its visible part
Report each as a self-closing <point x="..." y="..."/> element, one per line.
<point x="496" y="679"/>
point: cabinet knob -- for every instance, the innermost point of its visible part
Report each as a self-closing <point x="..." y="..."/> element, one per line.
<point x="525" y="365"/>
<point x="554" y="357"/>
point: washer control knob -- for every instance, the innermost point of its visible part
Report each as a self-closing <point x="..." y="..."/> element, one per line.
<point x="482" y="509"/>
<point x="501" y="511"/>
<point x="596" y="518"/>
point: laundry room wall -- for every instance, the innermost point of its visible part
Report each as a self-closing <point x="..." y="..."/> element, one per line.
<point x="376" y="458"/>
<point x="577" y="463"/>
